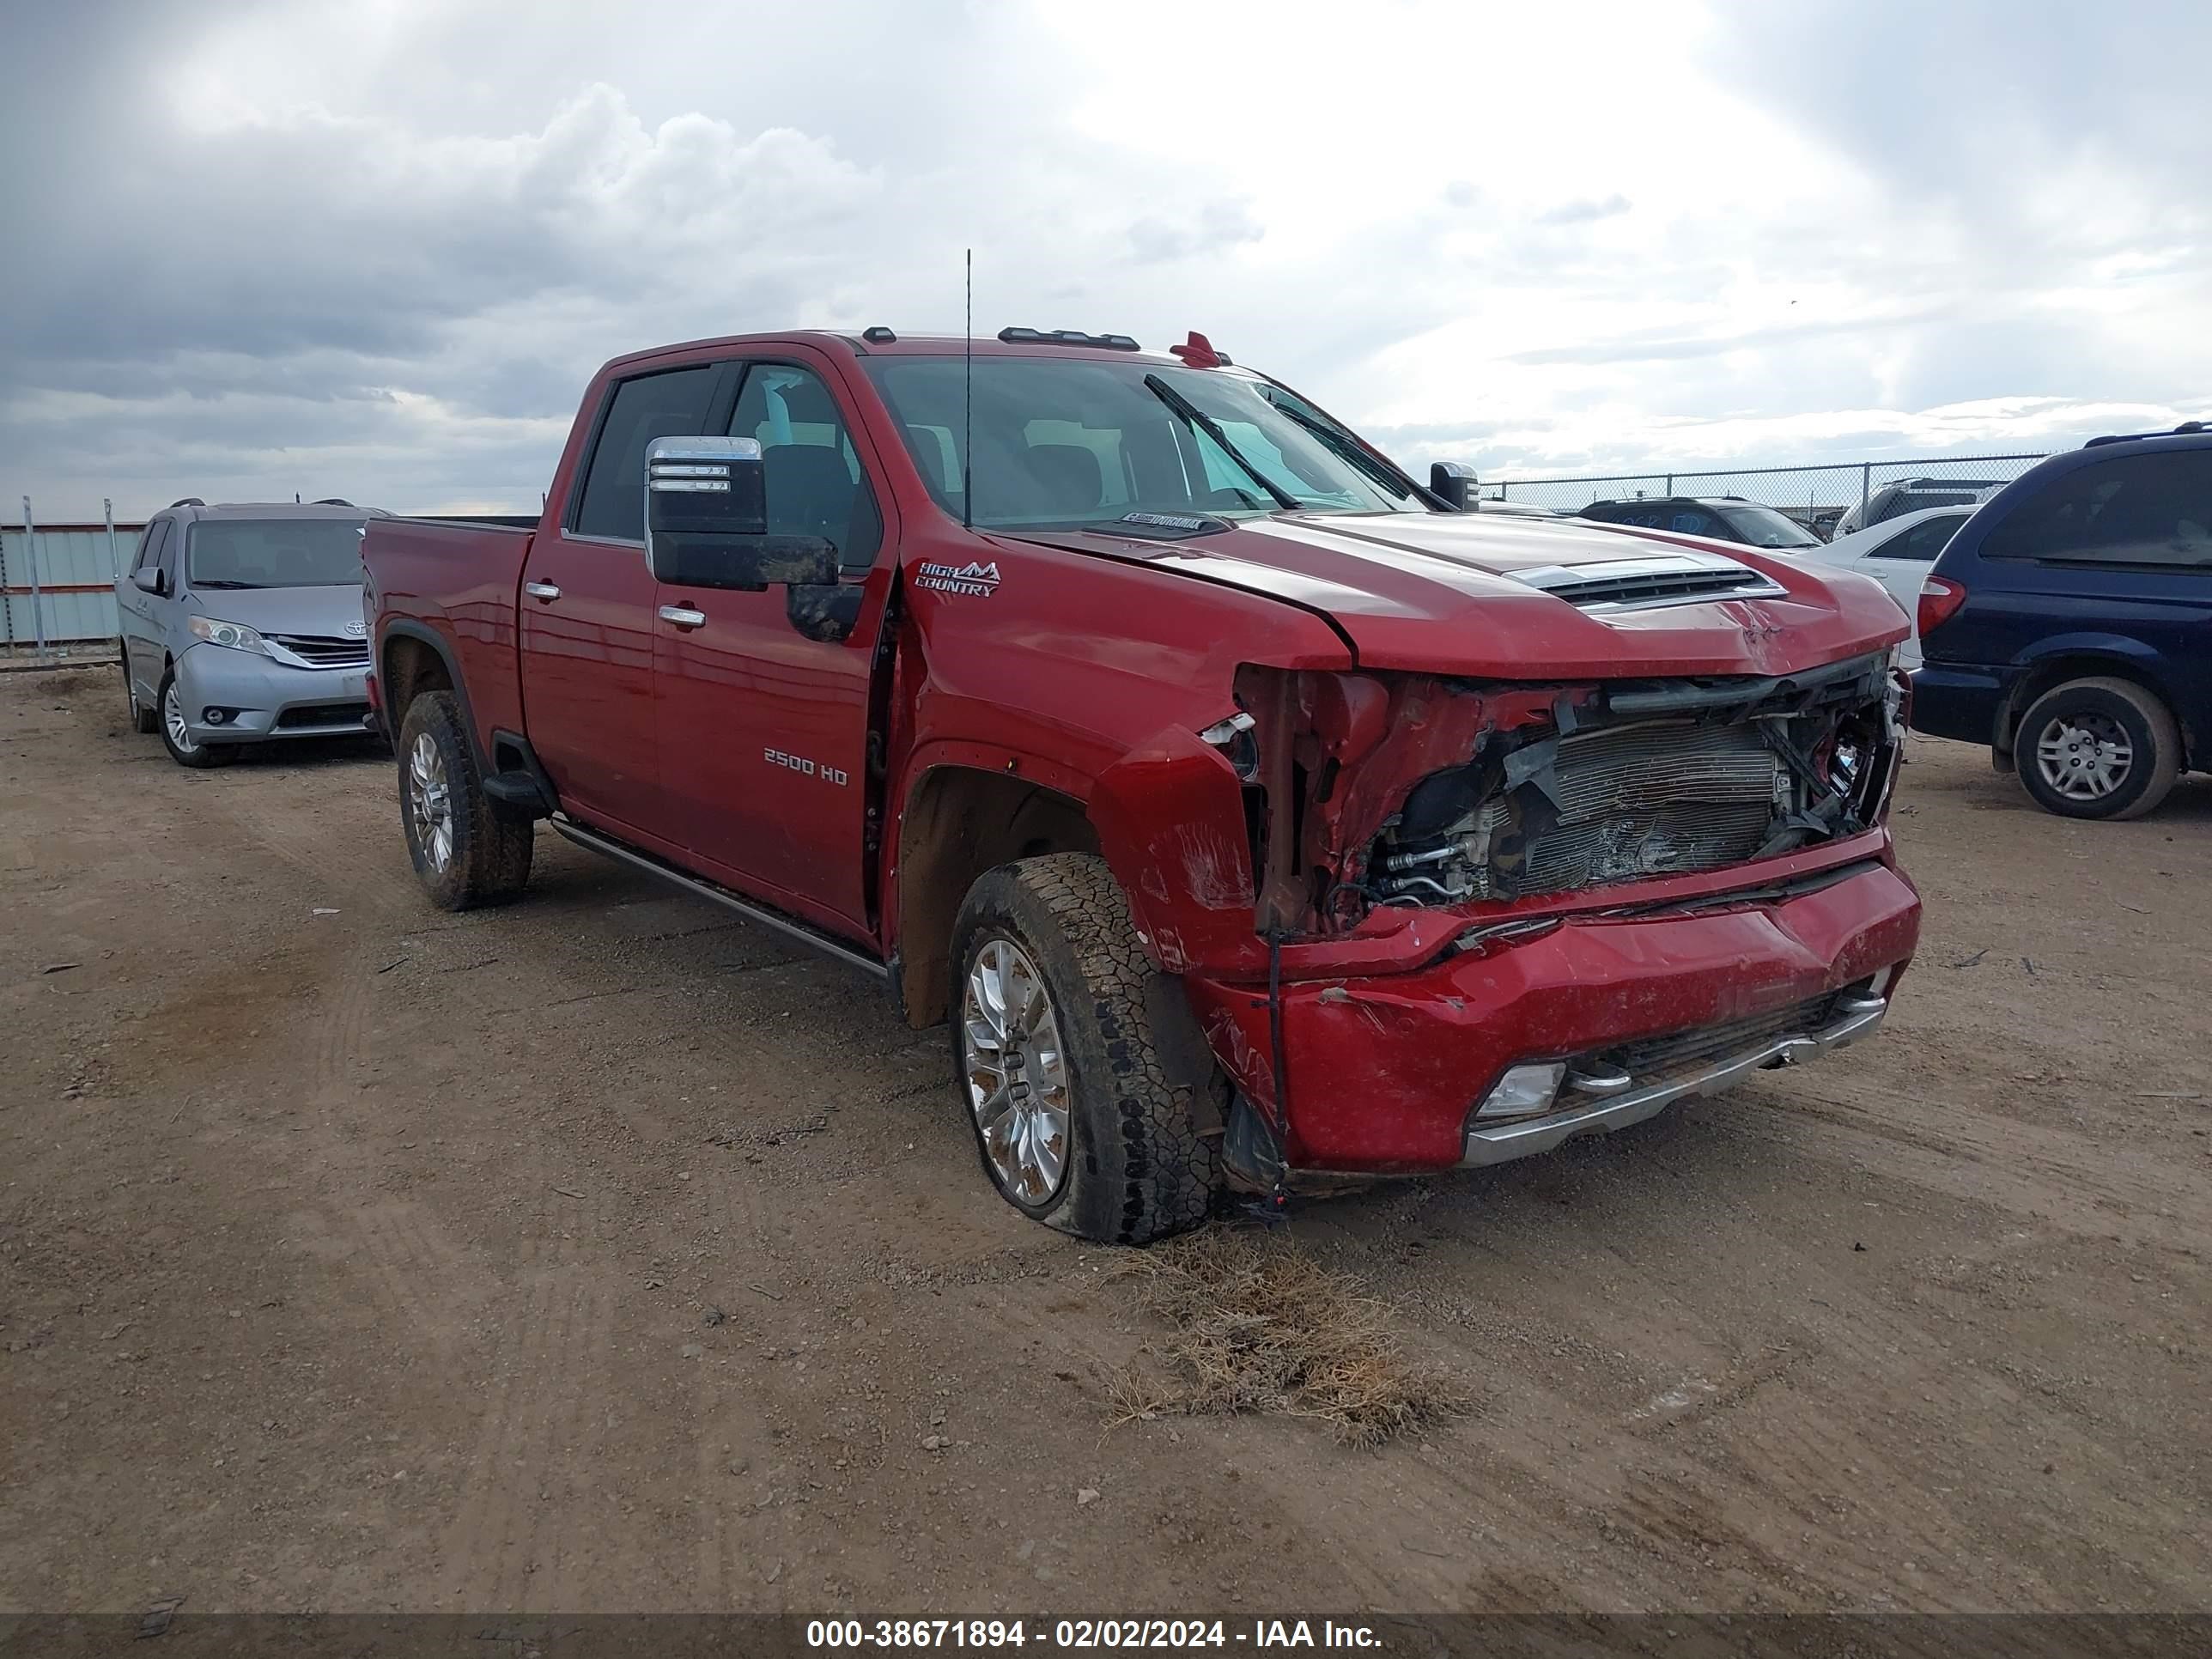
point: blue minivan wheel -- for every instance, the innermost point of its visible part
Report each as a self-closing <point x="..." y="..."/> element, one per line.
<point x="2098" y="748"/>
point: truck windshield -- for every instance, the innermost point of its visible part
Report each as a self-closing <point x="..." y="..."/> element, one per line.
<point x="275" y="553"/>
<point x="1068" y="442"/>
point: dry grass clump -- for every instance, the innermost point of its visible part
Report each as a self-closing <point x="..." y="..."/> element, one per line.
<point x="1256" y="1325"/>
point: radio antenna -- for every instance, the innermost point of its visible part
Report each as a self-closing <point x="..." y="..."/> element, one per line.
<point x="968" y="409"/>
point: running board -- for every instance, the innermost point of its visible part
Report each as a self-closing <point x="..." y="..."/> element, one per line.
<point x="789" y="926"/>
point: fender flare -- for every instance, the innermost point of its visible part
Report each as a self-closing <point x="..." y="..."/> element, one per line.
<point x="407" y="628"/>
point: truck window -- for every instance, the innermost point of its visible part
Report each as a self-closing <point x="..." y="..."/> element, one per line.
<point x="672" y="404"/>
<point x="2148" y="509"/>
<point x="815" y="483"/>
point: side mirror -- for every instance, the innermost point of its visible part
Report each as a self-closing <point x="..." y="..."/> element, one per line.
<point x="706" y="520"/>
<point x="148" y="580"/>
<point x="1454" y="481"/>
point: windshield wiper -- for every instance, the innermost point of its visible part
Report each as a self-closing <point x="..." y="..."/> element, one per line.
<point x="218" y="581"/>
<point x="1198" y="421"/>
<point x="1346" y="447"/>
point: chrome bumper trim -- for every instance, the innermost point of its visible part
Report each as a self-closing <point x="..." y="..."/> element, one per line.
<point x="1501" y="1143"/>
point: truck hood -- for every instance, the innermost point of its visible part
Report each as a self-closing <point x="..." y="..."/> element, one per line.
<point x="1507" y="597"/>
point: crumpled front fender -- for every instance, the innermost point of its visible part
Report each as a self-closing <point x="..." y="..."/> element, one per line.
<point x="1169" y="815"/>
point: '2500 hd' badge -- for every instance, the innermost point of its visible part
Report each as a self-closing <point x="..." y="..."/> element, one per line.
<point x="976" y="581"/>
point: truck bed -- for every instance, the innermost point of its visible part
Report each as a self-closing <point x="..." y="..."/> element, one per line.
<point x="452" y="583"/>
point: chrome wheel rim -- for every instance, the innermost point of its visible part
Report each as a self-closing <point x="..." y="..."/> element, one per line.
<point x="2084" y="757"/>
<point x="432" y="799"/>
<point x="1016" y="1071"/>
<point x="172" y="717"/>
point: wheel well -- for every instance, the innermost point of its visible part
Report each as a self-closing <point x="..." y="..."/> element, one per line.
<point x="411" y="668"/>
<point x="959" y="823"/>
<point x="2087" y="665"/>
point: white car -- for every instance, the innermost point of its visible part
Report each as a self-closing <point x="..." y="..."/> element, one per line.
<point x="1898" y="553"/>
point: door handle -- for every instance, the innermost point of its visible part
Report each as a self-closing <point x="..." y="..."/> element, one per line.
<point x="541" y="591"/>
<point x="683" y="616"/>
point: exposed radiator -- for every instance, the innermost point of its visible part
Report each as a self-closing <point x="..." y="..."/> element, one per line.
<point x="1659" y="798"/>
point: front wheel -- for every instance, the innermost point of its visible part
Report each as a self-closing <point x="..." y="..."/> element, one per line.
<point x="1079" y="1117"/>
<point x="467" y="848"/>
<point x="176" y="734"/>
<point x="2098" y="748"/>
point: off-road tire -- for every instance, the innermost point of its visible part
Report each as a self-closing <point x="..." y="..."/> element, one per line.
<point x="143" y="721"/>
<point x="201" y="758"/>
<point x="492" y="842"/>
<point x="1138" y="1169"/>
<point x="2151" y="731"/>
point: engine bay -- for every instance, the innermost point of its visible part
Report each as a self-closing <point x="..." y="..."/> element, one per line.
<point x="1418" y="791"/>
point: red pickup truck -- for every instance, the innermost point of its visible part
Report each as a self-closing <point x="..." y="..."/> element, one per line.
<point x="1255" y="817"/>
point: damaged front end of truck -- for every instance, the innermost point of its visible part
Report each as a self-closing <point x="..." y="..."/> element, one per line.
<point x="1325" y="866"/>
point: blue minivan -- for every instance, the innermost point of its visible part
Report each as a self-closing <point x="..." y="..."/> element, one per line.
<point x="2069" y="625"/>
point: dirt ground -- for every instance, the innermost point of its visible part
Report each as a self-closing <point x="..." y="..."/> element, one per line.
<point x="605" y="1254"/>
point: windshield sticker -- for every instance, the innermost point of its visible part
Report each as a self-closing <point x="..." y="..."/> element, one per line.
<point x="975" y="581"/>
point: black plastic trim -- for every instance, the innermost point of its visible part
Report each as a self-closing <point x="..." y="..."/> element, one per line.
<point x="408" y="628"/>
<point x="766" y="915"/>
<point x="527" y="786"/>
<point x="1683" y="699"/>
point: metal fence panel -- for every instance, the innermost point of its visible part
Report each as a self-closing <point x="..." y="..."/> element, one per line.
<point x="58" y="583"/>
<point x="1811" y="494"/>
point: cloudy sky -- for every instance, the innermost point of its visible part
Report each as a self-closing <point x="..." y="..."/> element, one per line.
<point x="374" y="248"/>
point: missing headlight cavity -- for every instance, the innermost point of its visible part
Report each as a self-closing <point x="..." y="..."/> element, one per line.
<point x="1653" y="780"/>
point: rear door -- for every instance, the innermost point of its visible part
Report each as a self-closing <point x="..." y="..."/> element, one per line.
<point x="1901" y="562"/>
<point x="587" y="626"/>
<point x="763" y="732"/>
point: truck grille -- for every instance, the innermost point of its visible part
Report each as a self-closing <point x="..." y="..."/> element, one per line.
<point x="325" y="651"/>
<point x="1665" y="798"/>
<point x="345" y="715"/>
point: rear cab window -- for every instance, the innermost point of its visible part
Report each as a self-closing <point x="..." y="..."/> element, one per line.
<point x="608" y="504"/>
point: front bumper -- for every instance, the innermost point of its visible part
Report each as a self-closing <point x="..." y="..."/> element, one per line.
<point x="263" y="699"/>
<point x="1852" y="1017"/>
<point x="1384" y="1073"/>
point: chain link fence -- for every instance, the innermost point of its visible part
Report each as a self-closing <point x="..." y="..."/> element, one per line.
<point x="1818" y="497"/>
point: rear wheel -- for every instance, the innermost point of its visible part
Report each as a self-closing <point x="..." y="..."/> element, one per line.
<point x="2098" y="748"/>
<point x="1077" y="1115"/>
<point x="467" y="848"/>
<point x="142" y="720"/>
<point x="177" y="736"/>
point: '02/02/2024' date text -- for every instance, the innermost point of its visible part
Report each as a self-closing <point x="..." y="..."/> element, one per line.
<point x="1084" y="1634"/>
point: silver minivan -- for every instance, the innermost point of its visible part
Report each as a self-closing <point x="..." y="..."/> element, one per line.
<point x="243" y="624"/>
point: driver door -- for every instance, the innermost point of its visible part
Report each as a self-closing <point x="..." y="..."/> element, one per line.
<point x="763" y="733"/>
